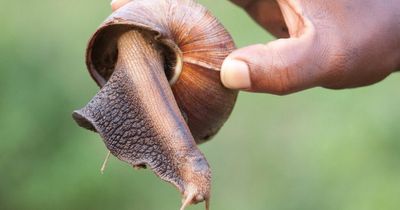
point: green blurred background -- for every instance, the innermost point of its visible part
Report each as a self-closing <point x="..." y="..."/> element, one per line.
<point x="319" y="149"/>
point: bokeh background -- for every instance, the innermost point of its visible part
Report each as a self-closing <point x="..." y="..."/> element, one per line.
<point x="319" y="149"/>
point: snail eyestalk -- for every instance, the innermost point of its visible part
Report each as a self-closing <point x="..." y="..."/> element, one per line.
<point x="207" y="203"/>
<point x="187" y="201"/>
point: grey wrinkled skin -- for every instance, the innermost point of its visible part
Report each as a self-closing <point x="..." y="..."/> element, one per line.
<point x="130" y="135"/>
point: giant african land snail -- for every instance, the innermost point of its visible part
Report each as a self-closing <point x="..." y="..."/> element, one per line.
<point x="143" y="119"/>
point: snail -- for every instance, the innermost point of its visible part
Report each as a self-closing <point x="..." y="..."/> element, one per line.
<point x="157" y="63"/>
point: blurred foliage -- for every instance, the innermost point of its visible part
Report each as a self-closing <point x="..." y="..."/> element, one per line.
<point x="319" y="149"/>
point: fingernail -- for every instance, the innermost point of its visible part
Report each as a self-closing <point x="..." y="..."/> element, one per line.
<point x="235" y="74"/>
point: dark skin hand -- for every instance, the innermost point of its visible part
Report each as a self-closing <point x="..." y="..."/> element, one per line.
<point x="322" y="43"/>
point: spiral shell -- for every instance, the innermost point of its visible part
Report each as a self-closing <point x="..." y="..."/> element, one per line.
<point x="194" y="45"/>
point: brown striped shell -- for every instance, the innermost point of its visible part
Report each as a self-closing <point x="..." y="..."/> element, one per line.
<point x="194" y="45"/>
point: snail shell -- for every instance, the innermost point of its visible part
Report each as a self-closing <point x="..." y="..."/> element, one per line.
<point x="194" y="43"/>
<point x="157" y="63"/>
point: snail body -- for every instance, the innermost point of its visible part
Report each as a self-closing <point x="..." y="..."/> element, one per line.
<point x="157" y="63"/>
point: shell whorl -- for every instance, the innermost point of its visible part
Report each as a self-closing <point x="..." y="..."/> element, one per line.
<point x="189" y="37"/>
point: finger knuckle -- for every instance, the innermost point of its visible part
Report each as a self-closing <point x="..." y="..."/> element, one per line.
<point x="283" y="80"/>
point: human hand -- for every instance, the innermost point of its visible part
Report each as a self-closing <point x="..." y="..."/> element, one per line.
<point x="333" y="44"/>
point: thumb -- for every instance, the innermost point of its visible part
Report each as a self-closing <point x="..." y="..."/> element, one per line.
<point x="280" y="67"/>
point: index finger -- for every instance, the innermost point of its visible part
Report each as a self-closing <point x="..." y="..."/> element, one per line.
<point x="266" y="13"/>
